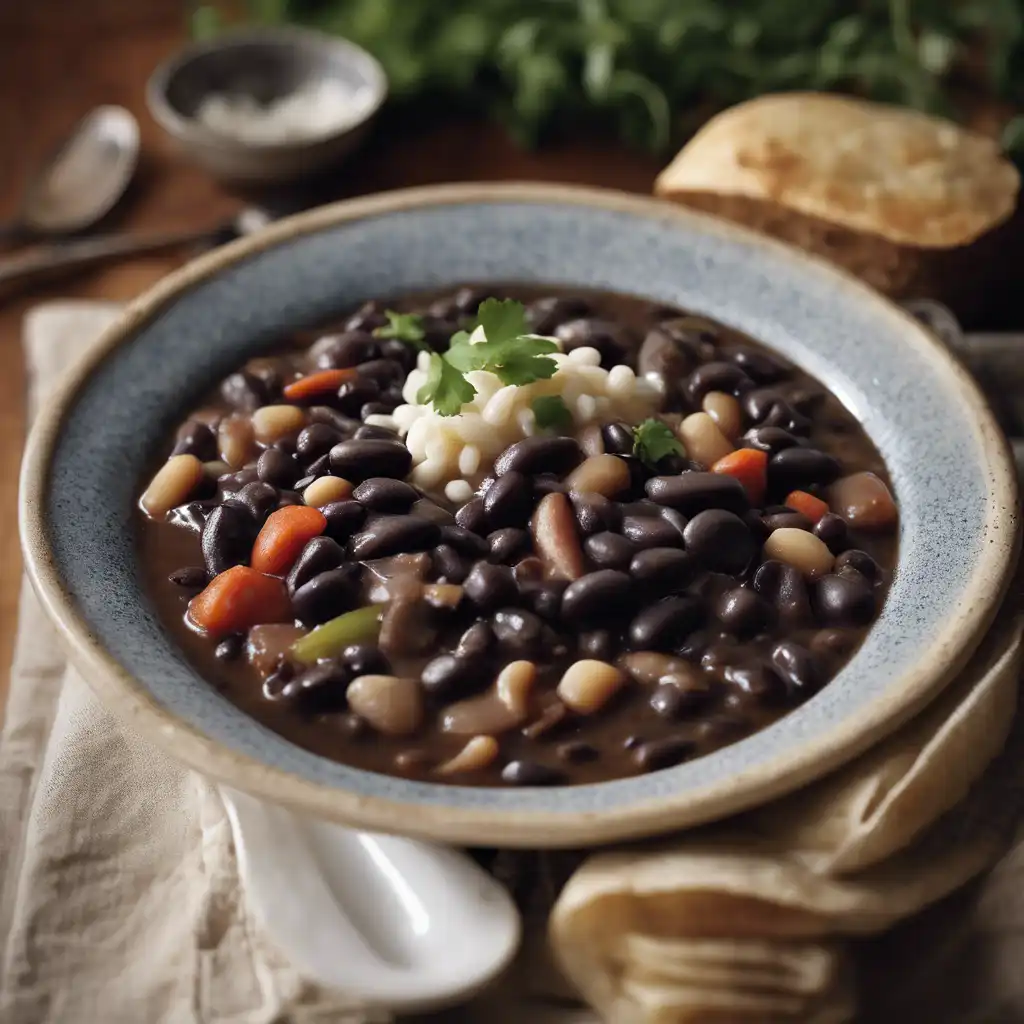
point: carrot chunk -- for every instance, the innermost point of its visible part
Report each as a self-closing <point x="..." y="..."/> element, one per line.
<point x="238" y="599"/>
<point x="285" y="533"/>
<point x="750" y="467"/>
<point x="318" y="383"/>
<point x="812" y="507"/>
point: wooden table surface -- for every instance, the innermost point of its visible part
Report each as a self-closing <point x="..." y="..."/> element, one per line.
<point x="58" y="58"/>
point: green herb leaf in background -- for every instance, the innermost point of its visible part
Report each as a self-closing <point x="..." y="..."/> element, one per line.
<point x="406" y="327"/>
<point x="653" y="440"/>
<point x="551" y="412"/>
<point x="446" y="388"/>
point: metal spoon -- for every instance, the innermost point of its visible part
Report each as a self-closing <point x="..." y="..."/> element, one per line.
<point x="81" y="181"/>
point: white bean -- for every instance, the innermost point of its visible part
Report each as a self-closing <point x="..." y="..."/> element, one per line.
<point x="478" y="753"/>
<point x="587" y="685"/>
<point x="326" y="489"/>
<point x="175" y="480"/>
<point x="621" y="381"/>
<point x="458" y="491"/>
<point x="585" y="355"/>
<point x="703" y="441"/>
<point x="273" y="422"/>
<point x="600" y="474"/>
<point x="392" y="705"/>
<point x="800" y="549"/>
<point x="514" y="685"/>
<point x="726" y="412"/>
<point x="235" y="440"/>
<point x="864" y="501"/>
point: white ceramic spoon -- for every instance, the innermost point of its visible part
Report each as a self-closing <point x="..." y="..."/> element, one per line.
<point x="398" y="923"/>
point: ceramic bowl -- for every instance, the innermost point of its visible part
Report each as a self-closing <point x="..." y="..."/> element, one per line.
<point x="91" y="446"/>
<point x="267" y="64"/>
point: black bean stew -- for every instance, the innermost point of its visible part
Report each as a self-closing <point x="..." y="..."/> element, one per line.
<point x="603" y="602"/>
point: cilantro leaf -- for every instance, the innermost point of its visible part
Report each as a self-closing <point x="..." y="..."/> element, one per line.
<point x="446" y="388"/>
<point x="521" y="368"/>
<point x="653" y="440"/>
<point x="551" y="412"/>
<point x="502" y="320"/>
<point x="462" y="355"/>
<point x="406" y="327"/>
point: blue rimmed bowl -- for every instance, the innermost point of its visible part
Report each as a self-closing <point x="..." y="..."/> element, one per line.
<point x="950" y="466"/>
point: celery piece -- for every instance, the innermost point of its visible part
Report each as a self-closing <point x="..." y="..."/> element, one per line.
<point x="330" y="639"/>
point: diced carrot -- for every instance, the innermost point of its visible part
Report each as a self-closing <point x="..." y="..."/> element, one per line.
<point x="238" y="599"/>
<point x="812" y="507"/>
<point x="284" y="535"/>
<point x="317" y="383"/>
<point x="750" y="467"/>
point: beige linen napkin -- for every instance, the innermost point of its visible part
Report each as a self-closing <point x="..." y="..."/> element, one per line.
<point x="120" y="899"/>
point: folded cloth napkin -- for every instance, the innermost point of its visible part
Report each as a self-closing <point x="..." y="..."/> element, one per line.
<point x="120" y="899"/>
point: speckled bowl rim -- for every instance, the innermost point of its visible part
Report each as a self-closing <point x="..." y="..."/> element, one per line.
<point x="792" y="768"/>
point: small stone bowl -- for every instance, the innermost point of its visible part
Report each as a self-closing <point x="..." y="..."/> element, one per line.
<point x="267" y="64"/>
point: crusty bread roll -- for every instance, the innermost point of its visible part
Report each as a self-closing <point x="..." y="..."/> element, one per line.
<point x="915" y="205"/>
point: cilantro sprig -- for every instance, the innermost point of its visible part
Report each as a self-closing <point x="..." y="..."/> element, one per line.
<point x="509" y="351"/>
<point x="551" y="412"/>
<point x="653" y="440"/>
<point x="407" y="327"/>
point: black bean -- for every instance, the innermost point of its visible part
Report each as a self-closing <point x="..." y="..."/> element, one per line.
<point x="720" y="541"/>
<point x="472" y="516"/>
<point x="694" y="492"/>
<point x="834" y="644"/>
<point x="367" y="317"/>
<point x="717" y="376"/>
<point x="786" y="519"/>
<point x="665" y="625"/>
<point x="230" y="648"/>
<point x="191" y="577"/>
<point x="198" y="439"/>
<point x="862" y="562"/>
<point x="642" y="508"/>
<point x="288" y="445"/>
<point x="798" y="667"/>
<point x="531" y="773"/>
<point x="347" y="349"/>
<point x="368" y="432"/>
<point x="676" y="518"/>
<point x="319" y="555"/>
<point x="759" y="366"/>
<point x="657" y="754"/>
<point x="519" y="632"/>
<point x="327" y="595"/>
<point x="352" y="727"/>
<point x="832" y="530"/>
<point x="231" y="483"/>
<point x="595" y="513"/>
<point x="448" y="564"/>
<point x="467" y="543"/>
<point x="666" y="355"/>
<point x="618" y="438"/>
<point x="509" y="545"/>
<point x="675" y="702"/>
<point x="365" y="660"/>
<point x="722" y="729"/>
<point x="769" y="439"/>
<point x="799" y="468"/>
<point x="359" y="460"/>
<point x="843" y="601"/>
<point x="375" y="409"/>
<point x="450" y="677"/>
<point x="427" y="509"/>
<point x="648" y="532"/>
<point x="319" y="689"/>
<point x="609" y="550"/>
<point x="508" y="501"/>
<point x="786" y="588"/>
<point x="489" y="586"/>
<point x="756" y="525"/>
<point x="344" y="518"/>
<point x="244" y="390"/>
<point x="535" y="455"/>
<point x="383" y="371"/>
<point x="785" y="417"/>
<point x="547" y="484"/>
<point x="544" y="315"/>
<point x="758" y="403"/>
<point x="597" y="597"/>
<point x="277" y="469"/>
<point x="597" y="643"/>
<point x="344" y="425"/>
<point x="394" y="535"/>
<point x="399" y="352"/>
<point x="191" y="516"/>
<point x="354" y="394"/>
<point x="742" y="612"/>
<point x="528" y="571"/>
<point x="476" y="641"/>
<point x="385" y="494"/>
<point x="227" y="538"/>
<point x="577" y="752"/>
<point x="467" y="299"/>
<point x="756" y="680"/>
<point x="612" y="340"/>
<point x="546" y="599"/>
<point x="660" y="571"/>
<point x="258" y="499"/>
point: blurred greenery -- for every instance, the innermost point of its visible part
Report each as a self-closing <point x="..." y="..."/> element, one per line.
<point x="652" y="70"/>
